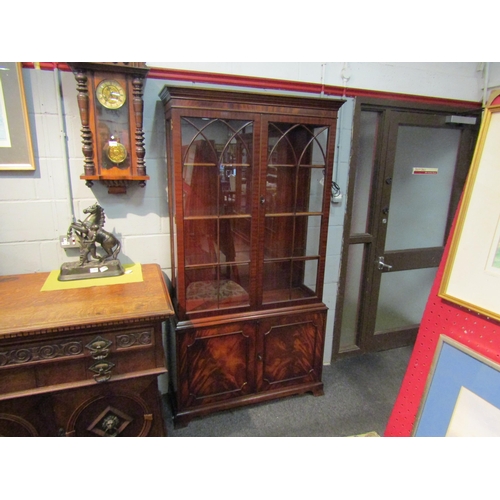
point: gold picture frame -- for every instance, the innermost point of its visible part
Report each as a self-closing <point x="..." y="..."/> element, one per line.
<point x="16" y="148"/>
<point x="472" y="272"/>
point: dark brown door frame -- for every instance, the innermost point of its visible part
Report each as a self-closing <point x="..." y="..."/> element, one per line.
<point x="383" y="107"/>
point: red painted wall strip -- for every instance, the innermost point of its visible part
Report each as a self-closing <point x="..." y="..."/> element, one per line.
<point x="275" y="84"/>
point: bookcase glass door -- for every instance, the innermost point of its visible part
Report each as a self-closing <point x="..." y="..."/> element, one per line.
<point x="294" y="193"/>
<point x="217" y="189"/>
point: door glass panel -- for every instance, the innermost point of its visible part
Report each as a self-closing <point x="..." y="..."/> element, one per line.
<point x="217" y="182"/>
<point x="369" y="121"/>
<point x="200" y="188"/>
<point x="312" y="225"/>
<point x="313" y="179"/>
<point x="276" y="281"/>
<point x="201" y="242"/>
<point x="282" y="183"/>
<point x="420" y="197"/>
<point x="234" y="190"/>
<point x="352" y="297"/>
<point x="240" y="274"/>
<point x="275" y="244"/>
<point x="280" y="188"/>
<point x="216" y="166"/>
<point x="203" y="247"/>
<point x="200" y="291"/>
<point x="240" y="229"/>
<point x="217" y="287"/>
<point x="233" y="244"/>
<point x="294" y="187"/>
<point x="302" y="236"/>
<point x="403" y="296"/>
<point x="289" y="280"/>
<point x="296" y="160"/>
<point x="310" y="277"/>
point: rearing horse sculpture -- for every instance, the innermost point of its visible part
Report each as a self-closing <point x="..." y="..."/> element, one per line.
<point x="90" y="231"/>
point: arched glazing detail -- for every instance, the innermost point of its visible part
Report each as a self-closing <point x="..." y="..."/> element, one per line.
<point x="296" y="160"/>
<point x="217" y="184"/>
<point x="294" y="203"/>
<point x="217" y="158"/>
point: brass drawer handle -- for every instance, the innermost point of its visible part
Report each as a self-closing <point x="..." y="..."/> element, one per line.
<point x="102" y="370"/>
<point x="99" y="347"/>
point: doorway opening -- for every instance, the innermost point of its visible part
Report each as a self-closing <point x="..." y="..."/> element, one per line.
<point x="408" y="170"/>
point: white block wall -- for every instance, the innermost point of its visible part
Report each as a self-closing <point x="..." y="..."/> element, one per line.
<point x="37" y="207"/>
<point x="449" y="80"/>
<point x="336" y="222"/>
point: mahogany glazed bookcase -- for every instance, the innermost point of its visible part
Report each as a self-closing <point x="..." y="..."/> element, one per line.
<point x="249" y="201"/>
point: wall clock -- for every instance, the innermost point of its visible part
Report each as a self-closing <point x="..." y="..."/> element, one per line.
<point x="111" y="111"/>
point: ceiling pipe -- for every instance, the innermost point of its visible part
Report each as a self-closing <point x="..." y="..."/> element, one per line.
<point x="486" y="77"/>
<point x="63" y="135"/>
<point x="323" y="69"/>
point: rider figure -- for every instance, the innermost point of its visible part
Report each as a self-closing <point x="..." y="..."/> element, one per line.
<point x="87" y="243"/>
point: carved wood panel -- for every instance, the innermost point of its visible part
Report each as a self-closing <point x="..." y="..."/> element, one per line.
<point x="120" y="409"/>
<point x="27" y="417"/>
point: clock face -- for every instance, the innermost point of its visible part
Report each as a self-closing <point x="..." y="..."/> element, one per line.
<point x="110" y="94"/>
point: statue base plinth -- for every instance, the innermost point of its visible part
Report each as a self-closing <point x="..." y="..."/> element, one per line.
<point x="73" y="271"/>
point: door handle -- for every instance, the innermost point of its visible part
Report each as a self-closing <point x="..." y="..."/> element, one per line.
<point x="382" y="266"/>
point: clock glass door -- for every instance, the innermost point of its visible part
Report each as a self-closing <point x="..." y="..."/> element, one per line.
<point x="112" y="117"/>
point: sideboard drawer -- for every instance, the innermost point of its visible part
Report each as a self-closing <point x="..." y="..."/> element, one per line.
<point x="83" y="361"/>
<point x="86" y="359"/>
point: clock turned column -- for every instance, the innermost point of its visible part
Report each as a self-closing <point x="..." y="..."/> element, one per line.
<point x="83" y="107"/>
<point x="138" y="86"/>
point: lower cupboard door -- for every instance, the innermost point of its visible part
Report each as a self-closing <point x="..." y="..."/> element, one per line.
<point x="215" y="364"/>
<point x="290" y="351"/>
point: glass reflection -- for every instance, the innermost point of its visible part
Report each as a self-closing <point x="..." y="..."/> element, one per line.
<point x="216" y="166"/>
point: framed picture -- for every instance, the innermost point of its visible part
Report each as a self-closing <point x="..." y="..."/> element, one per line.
<point x="16" y="150"/>
<point x="462" y="395"/>
<point x="472" y="272"/>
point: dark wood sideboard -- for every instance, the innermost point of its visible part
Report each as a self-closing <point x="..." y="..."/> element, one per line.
<point x="82" y="362"/>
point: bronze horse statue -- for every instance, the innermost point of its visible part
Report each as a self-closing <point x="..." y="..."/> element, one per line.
<point x="90" y="231"/>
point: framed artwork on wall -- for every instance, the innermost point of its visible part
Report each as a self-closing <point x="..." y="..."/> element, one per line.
<point x="16" y="150"/>
<point x="462" y="394"/>
<point x="472" y="272"/>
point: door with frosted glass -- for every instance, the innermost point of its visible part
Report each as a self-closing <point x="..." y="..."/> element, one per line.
<point x="410" y="172"/>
